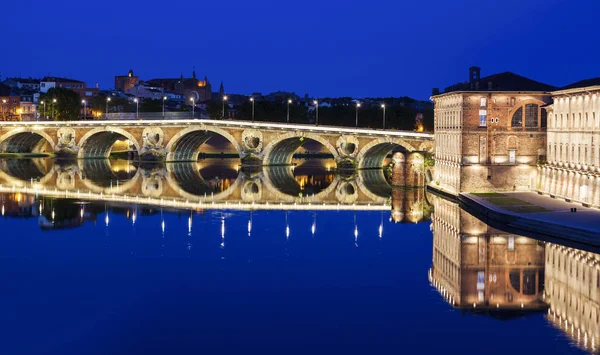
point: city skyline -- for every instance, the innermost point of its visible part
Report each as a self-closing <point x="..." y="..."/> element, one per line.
<point x="334" y="49"/>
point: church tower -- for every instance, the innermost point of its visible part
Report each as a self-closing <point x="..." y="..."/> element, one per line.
<point x="222" y="89"/>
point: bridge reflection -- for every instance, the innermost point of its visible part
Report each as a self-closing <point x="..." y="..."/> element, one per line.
<point x="209" y="184"/>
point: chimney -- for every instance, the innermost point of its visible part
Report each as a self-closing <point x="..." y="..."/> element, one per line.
<point x="474" y="74"/>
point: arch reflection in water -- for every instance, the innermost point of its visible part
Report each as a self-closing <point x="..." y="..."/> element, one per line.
<point x="482" y="269"/>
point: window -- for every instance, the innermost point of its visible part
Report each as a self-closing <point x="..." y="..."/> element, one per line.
<point x="517" y="118"/>
<point x="483" y="102"/>
<point x="544" y="119"/>
<point x="531" y="116"/>
<point x="482" y="118"/>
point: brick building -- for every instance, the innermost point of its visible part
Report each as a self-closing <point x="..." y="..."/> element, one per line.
<point x="490" y="133"/>
<point x="9" y="104"/>
<point x="573" y="160"/>
<point x="479" y="268"/>
<point x="126" y="82"/>
<point x="79" y="87"/>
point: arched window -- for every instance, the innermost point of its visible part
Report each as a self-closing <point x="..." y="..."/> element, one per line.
<point x="531" y="116"/>
<point x="517" y="118"/>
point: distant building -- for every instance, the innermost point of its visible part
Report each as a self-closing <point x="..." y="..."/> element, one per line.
<point x="144" y="90"/>
<point x="23" y="83"/>
<point x="27" y="107"/>
<point x="490" y="133"/>
<point x="199" y="90"/>
<point x="79" y="87"/>
<point x="9" y="104"/>
<point x="126" y="82"/>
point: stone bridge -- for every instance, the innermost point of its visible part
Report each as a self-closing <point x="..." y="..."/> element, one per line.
<point x="181" y="140"/>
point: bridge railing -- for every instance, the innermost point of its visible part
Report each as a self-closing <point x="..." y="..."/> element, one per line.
<point x="154" y="116"/>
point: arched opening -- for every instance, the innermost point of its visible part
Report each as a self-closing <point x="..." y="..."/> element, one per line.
<point x="375" y="182"/>
<point x="26" y="142"/>
<point x="379" y="155"/>
<point x="295" y="149"/>
<point x="107" y="173"/>
<point x="208" y="178"/>
<point x="191" y="145"/>
<point x="104" y="144"/>
<point x="299" y="181"/>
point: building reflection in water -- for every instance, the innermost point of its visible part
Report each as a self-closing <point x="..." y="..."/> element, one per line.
<point x="482" y="269"/>
<point x="573" y="293"/>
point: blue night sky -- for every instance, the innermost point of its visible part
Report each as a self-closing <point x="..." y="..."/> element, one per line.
<point x="324" y="48"/>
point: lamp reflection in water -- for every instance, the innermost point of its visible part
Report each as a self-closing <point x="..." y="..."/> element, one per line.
<point x="162" y="223"/>
<point x="381" y="226"/>
<point x="287" y="226"/>
<point x="313" y="228"/>
<point x="222" y="231"/>
<point x="134" y="215"/>
<point x="355" y="231"/>
<point x="190" y="224"/>
<point x="106" y="219"/>
<point x="250" y="224"/>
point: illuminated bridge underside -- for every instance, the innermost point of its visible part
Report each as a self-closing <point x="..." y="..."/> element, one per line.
<point x="190" y="180"/>
<point x="188" y="146"/>
<point x="374" y="180"/>
<point x="26" y="169"/>
<point x="101" y="174"/>
<point x="100" y="144"/>
<point x="283" y="152"/>
<point x="375" y="156"/>
<point x="25" y="142"/>
<point x="283" y="180"/>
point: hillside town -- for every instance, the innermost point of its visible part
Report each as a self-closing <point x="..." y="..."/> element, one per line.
<point x="132" y="97"/>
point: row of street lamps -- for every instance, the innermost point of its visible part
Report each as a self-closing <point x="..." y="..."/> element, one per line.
<point x="289" y="102"/>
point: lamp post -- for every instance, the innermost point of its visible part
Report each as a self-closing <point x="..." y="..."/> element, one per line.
<point x="223" y="112"/>
<point x="3" y="110"/>
<point x="317" y="110"/>
<point x="84" y="109"/>
<point x="137" y="108"/>
<point x="53" y="102"/>
<point x="44" y="103"/>
<point x="383" y="107"/>
<point x="357" y="107"/>
<point x="288" y="110"/>
<point x="252" y="100"/>
<point x="107" y="101"/>
<point x="164" y="99"/>
<point x="193" y="106"/>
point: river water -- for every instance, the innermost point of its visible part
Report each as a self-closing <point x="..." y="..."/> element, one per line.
<point x="101" y="258"/>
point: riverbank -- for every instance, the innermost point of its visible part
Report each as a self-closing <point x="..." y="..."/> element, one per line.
<point x="534" y="215"/>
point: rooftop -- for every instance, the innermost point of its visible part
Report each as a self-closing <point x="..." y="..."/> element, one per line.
<point x="58" y="79"/>
<point x="582" y="84"/>
<point x="506" y="81"/>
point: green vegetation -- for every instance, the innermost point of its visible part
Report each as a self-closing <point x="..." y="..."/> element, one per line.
<point x="66" y="107"/>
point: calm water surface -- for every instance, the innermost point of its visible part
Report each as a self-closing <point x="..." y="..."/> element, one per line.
<point x="91" y="276"/>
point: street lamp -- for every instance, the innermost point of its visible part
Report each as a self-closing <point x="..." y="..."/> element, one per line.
<point x="357" y="107"/>
<point x="224" y="99"/>
<point x="107" y="101"/>
<point x="44" y="103"/>
<point x="252" y="100"/>
<point x="137" y="108"/>
<point x="53" y="102"/>
<point x="288" y="110"/>
<point x="193" y="106"/>
<point x="164" y="99"/>
<point x="84" y="109"/>
<point x="3" y="111"/>
<point x="383" y="107"/>
<point x="317" y="109"/>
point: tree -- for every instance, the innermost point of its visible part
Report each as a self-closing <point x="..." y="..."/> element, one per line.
<point x="215" y="109"/>
<point x="67" y="106"/>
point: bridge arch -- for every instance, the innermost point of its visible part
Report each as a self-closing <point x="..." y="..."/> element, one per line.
<point x="374" y="153"/>
<point x="280" y="181"/>
<point x="185" y="145"/>
<point x="98" y="142"/>
<point x="280" y="151"/>
<point x="23" y="140"/>
<point x="99" y="176"/>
